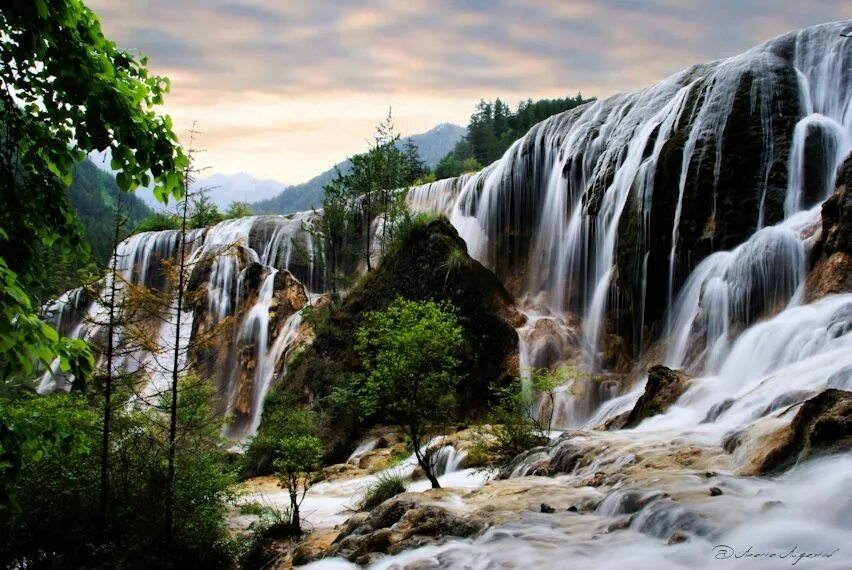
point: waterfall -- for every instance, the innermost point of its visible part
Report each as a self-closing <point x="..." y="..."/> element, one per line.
<point x="226" y="259"/>
<point x="640" y="208"/>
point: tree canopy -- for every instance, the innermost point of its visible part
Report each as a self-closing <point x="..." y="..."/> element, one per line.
<point x="65" y="90"/>
<point x="492" y="129"/>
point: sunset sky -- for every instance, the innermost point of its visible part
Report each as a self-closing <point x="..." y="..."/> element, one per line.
<point x="284" y="89"/>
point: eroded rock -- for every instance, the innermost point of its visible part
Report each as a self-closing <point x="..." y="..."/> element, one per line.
<point x="823" y="425"/>
<point x="663" y="389"/>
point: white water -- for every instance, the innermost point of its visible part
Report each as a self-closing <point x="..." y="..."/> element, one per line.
<point x="736" y="319"/>
<point x="281" y="242"/>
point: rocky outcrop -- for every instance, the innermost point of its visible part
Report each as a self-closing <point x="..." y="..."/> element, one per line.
<point x="225" y="346"/>
<point x="431" y="262"/>
<point x="822" y="426"/>
<point x="832" y="255"/>
<point x="399" y="524"/>
<point x="663" y="389"/>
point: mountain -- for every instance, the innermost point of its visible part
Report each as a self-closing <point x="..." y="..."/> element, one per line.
<point x="93" y="194"/>
<point x="223" y="189"/>
<point x="433" y="145"/>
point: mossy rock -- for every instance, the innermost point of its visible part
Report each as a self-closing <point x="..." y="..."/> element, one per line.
<point x="429" y="262"/>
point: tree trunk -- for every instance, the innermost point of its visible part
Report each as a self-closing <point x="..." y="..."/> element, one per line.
<point x="421" y="459"/>
<point x="104" y="490"/>
<point x="170" y="495"/>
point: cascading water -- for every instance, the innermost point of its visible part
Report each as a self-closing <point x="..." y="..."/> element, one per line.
<point x="574" y="215"/>
<point x="679" y="219"/>
<point x="231" y="253"/>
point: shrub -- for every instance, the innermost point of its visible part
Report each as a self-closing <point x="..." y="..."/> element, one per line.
<point x="387" y="485"/>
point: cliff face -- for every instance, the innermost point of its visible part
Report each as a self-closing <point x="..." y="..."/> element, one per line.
<point x="832" y="254"/>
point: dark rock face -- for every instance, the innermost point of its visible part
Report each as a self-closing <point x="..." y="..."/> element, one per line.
<point x="822" y="426"/>
<point x="398" y="525"/>
<point x="664" y="387"/>
<point x="430" y="263"/>
<point x="832" y="255"/>
<point x="221" y="349"/>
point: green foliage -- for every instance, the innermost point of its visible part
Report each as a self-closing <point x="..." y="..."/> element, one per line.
<point x="252" y="508"/>
<point x="289" y="441"/>
<point x="409" y="352"/>
<point x="94" y="195"/>
<point x="204" y="212"/>
<point x="386" y="486"/>
<point x="66" y="90"/>
<point x="238" y="210"/>
<point x="522" y="419"/>
<point x="494" y="127"/>
<point x="49" y="479"/>
<point x="431" y="146"/>
<point x="369" y="190"/>
<point x="414" y="267"/>
<point x="25" y="340"/>
<point x="158" y="221"/>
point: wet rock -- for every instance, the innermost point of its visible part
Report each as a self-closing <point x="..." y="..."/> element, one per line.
<point x="616" y="422"/>
<point x="545" y="508"/>
<point x="717" y="410"/>
<point x="664" y="387"/>
<point x="398" y="525"/>
<point x="823" y="425"/>
<point x="785" y="400"/>
<point x="597" y="480"/>
<point x="832" y="254"/>
<point x="715" y="491"/>
<point x="677" y="538"/>
<point x="572" y="509"/>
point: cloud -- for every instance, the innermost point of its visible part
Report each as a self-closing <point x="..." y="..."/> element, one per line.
<point x="225" y="55"/>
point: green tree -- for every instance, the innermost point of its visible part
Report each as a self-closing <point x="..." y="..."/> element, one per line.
<point x="298" y="458"/>
<point x="238" y="210"/>
<point x="410" y="357"/>
<point x="65" y="90"/>
<point x="415" y="168"/>
<point x="158" y="221"/>
<point x="289" y="440"/>
<point x="204" y="212"/>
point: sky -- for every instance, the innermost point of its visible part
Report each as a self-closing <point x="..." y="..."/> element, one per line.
<point x="283" y="89"/>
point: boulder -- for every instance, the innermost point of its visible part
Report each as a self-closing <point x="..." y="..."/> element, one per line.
<point x="397" y="525"/>
<point x="832" y="254"/>
<point x="822" y="426"/>
<point x="664" y="387"/>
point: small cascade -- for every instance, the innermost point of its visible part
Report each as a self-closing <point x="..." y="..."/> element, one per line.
<point x="223" y="261"/>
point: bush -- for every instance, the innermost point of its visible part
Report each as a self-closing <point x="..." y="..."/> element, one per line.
<point x="157" y="222"/>
<point x="387" y="485"/>
<point x="50" y="483"/>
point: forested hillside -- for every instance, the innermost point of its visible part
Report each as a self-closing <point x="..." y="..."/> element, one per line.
<point x="494" y="127"/>
<point x="93" y="194"/>
<point x="431" y="145"/>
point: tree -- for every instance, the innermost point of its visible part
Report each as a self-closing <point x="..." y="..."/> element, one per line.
<point x="298" y="458"/>
<point x="204" y="212"/>
<point x="289" y="440"/>
<point x="238" y="210"/>
<point x="65" y="90"/>
<point x="523" y="416"/>
<point x="410" y="358"/>
<point x="415" y="168"/>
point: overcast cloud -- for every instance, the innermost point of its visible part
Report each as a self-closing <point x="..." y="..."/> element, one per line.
<point x="283" y="89"/>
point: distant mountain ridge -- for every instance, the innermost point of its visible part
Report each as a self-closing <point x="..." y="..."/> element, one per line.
<point x="433" y="145"/>
<point x="223" y="189"/>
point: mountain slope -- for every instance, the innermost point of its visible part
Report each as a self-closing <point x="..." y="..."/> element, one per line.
<point x="93" y="194"/>
<point x="223" y="189"/>
<point x="433" y="145"/>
